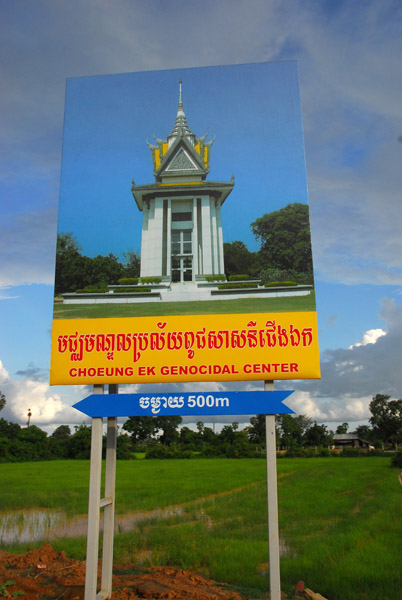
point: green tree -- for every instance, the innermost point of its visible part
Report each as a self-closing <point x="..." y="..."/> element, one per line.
<point x="75" y="271"/>
<point x="59" y="441"/>
<point x="284" y="237"/>
<point x="290" y="431"/>
<point x="238" y="259"/>
<point x="317" y="435"/>
<point x="364" y="432"/>
<point x="386" y="419"/>
<point x="9" y="430"/>
<point x="200" y="427"/>
<point x="141" y="428"/>
<point x="209" y="437"/>
<point x="80" y="442"/>
<point x="2" y="400"/>
<point x="189" y="439"/>
<point x="342" y="428"/>
<point x="123" y="447"/>
<point x="304" y="422"/>
<point x="72" y="269"/>
<point x="240" y="446"/>
<point x="63" y="432"/>
<point x="256" y="430"/>
<point x="105" y="270"/>
<point x="169" y="426"/>
<point x="131" y="264"/>
<point x="34" y="444"/>
<point x="227" y="434"/>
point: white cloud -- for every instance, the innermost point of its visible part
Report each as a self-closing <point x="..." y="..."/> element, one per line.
<point x="47" y="406"/>
<point x="351" y="377"/>
<point x="370" y="337"/>
<point x="349" y="56"/>
<point x="350" y="83"/>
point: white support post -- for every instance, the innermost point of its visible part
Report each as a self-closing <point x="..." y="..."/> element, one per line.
<point x="94" y="504"/>
<point x="108" y="503"/>
<point x="272" y="495"/>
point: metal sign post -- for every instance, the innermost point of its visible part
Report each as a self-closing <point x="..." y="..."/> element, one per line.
<point x="272" y="500"/>
<point x="96" y="503"/>
<point x="99" y="406"/>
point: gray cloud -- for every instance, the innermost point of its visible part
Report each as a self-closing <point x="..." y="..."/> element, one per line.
<point x="351" y="87"/>
<point x="33" y="373"/>
<point x="350" y="83"/>
<point x="352" y="376"/>
<point x="357" y="371"/>
<point x="27" y="247"/>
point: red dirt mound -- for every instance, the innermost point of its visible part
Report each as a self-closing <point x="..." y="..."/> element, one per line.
<point x="46" y="574"/>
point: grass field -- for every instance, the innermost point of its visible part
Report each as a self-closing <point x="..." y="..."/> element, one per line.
<point x="144" y="309"/>
<point x="340" y="519"/>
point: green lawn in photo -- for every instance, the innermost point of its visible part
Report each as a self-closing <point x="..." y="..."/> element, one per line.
<point x="151" y="309"/>
<point x="340" y="519"/>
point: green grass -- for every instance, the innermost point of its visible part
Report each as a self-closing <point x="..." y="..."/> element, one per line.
<point x="141" y="484"/>
<point x="340" y="519"/>
<point x="151" y="309"/>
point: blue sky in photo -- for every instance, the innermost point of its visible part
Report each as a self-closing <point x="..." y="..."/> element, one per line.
<point x="119" y="64"/>
<point x="109" y="118"/>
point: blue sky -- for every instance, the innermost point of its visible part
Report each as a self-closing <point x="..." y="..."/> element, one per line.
<point x="253" y="109"/>
<point x="348" y="55"/>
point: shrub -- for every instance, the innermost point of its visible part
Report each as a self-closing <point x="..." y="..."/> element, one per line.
<point x="128" y="281"/>
<point x="310" y="452"/>
<point x="351" y="452"/>
<point x="267" y="275"/>
<point x="132" y="290"/>
<point x="324" y="452"/>
<point x="396" y="460"/>
<point x="239" y="277"/>
<point x="151" y="280"/>
<point x="167" y="452"/>
<point x="280" y="283"/>
<point x="92" y="289"/>
<point x="210" y="278"/>
<point x="237" y="286"/>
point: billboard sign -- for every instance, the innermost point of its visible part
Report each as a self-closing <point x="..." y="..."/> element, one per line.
<point x="184" y="255"/>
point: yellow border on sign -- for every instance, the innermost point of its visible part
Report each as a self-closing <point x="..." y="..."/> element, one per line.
<point x="159" y="349"/>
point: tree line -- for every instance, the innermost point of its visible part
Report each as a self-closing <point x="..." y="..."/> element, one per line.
<point x="74" y="271"/>
<point x="284" y="254"/>
<point x="162" y="437"/>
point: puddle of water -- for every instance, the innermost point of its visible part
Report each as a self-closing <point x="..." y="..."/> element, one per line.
<point x="40" y="524"/>
<point x="35" y="525"/>
<point x="28" y="525"/>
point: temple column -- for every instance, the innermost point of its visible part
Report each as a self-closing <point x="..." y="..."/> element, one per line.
<point x="207" y="250"/>
<point x="195" y="240"/>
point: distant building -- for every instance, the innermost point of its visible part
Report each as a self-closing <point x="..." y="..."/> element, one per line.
<point x="350" y="440"/>
<point x="181" y="223"/>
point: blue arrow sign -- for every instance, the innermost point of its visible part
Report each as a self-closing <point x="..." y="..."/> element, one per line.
<point x="185" y="404"/>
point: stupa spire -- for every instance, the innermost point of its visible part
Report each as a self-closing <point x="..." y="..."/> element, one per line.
<point x="181" y="127"/>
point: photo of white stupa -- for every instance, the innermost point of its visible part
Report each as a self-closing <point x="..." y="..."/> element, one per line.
<point x="182" y="233"/>
<point x="182" y="240"/>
